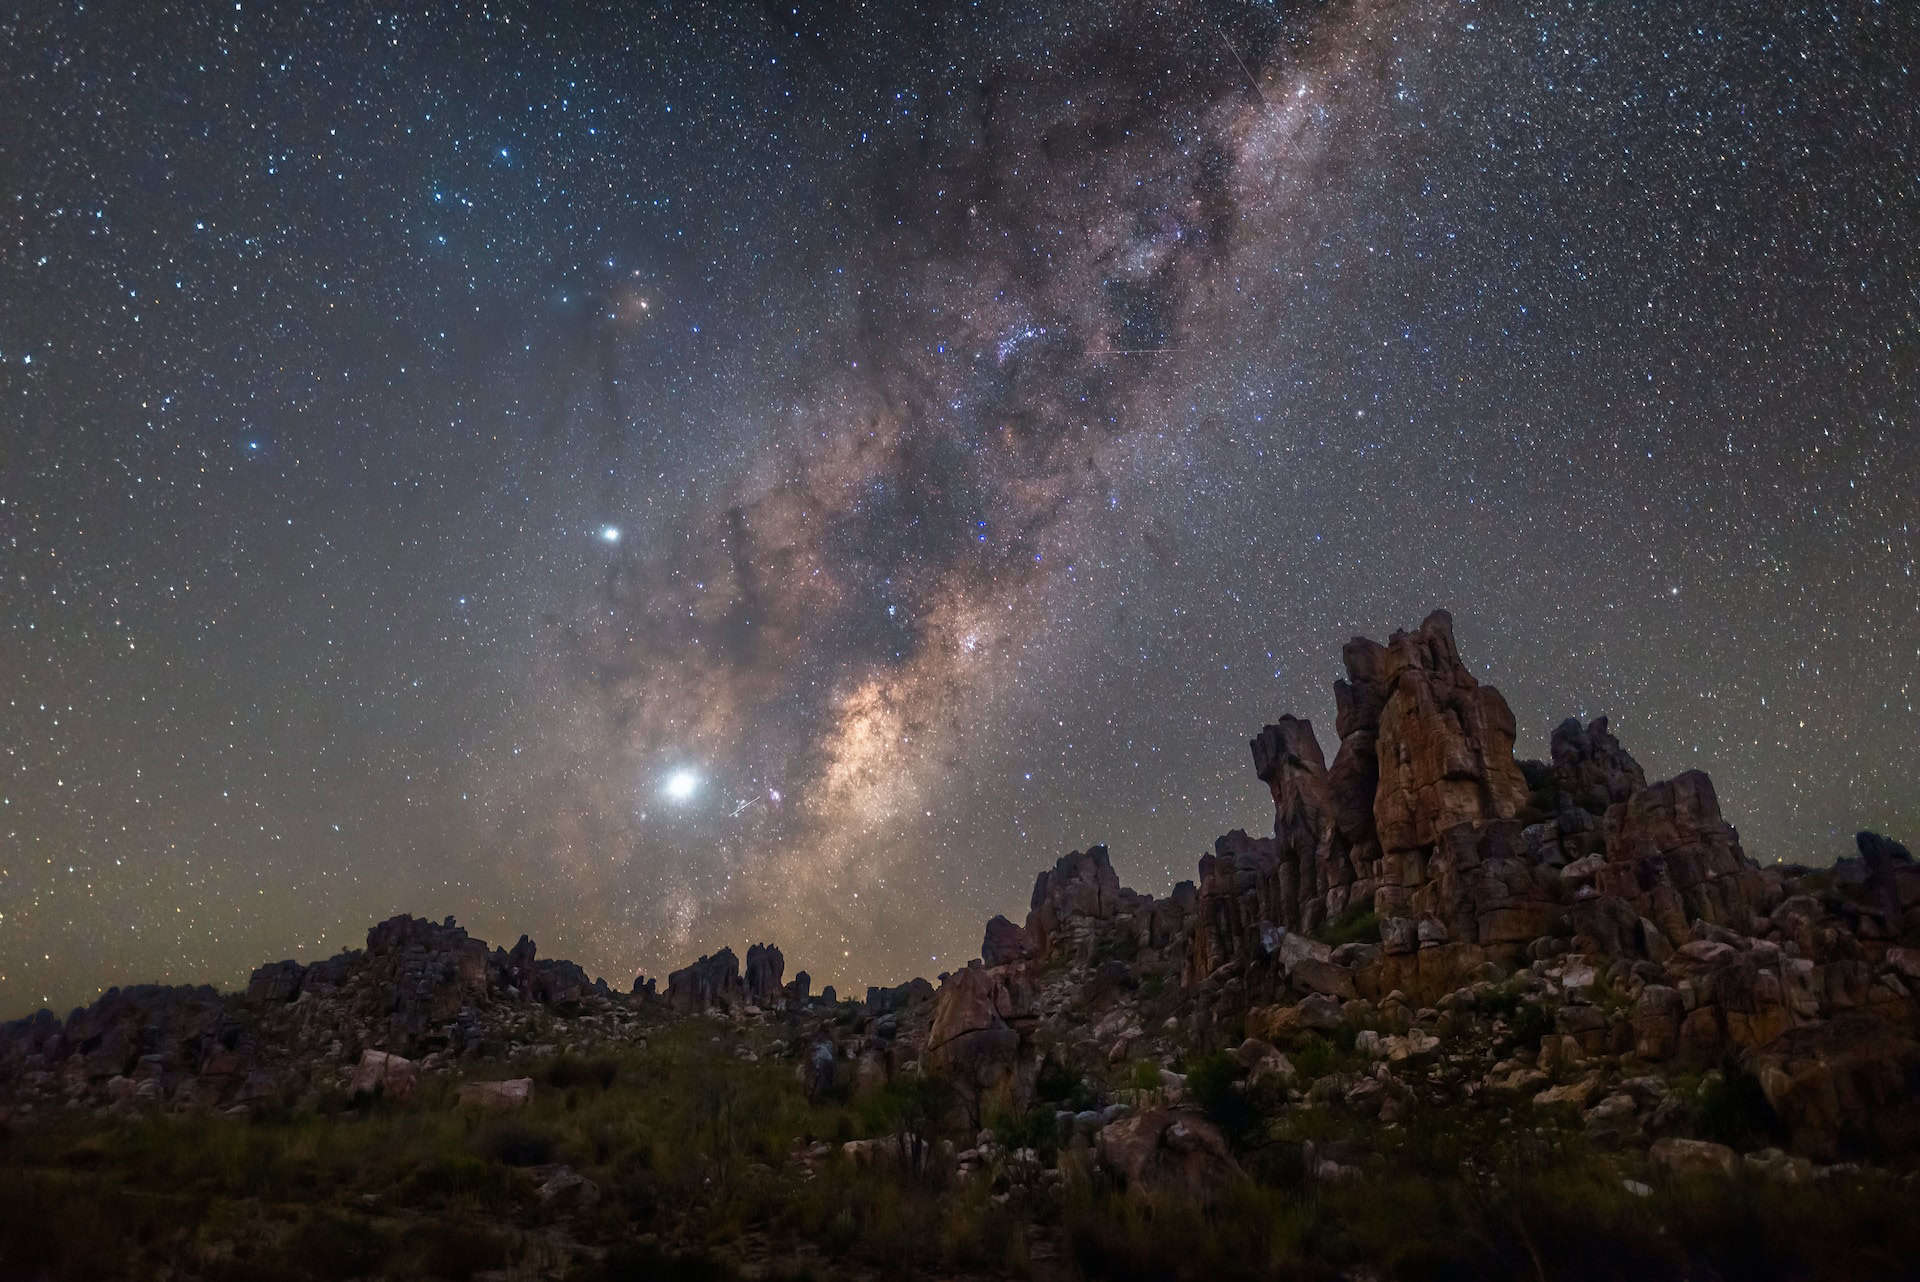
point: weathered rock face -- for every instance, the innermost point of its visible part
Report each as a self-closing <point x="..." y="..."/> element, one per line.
<point x="978" y="1017"/>
<point x="1445" y="747"/>
<point x="276" y="981"/>
<point x="1169" y="1152"/>
<point x="1286" y="757"/>
<point x="1414" y="819"/>
<point x="1892" y="878"/>
<point x="1846" y="1084"/>
<point x="1081" y="884"/>
<point x="765" y="967"/>
<point x="710" y="981"/>
<point x="1591" y="767"/>
<point x="1241" y="885"/>
<point x="1671" y="856"/>
<point x="1004" y="942"/>
<point x="430" y="970"/>
<point x="1353" y="856"/>
<point x="1421" y="819"/>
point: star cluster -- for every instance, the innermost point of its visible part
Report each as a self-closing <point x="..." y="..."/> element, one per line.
<point x="661" y="477"/>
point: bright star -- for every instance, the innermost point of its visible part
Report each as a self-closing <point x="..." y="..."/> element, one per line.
<point x="681" y="785"/>
<point x="609" y="534"/>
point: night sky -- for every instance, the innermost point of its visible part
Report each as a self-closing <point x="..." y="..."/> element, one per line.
<point x="687" y="474"/>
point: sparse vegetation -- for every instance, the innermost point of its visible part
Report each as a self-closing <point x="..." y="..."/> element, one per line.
<point x="1359" y="924"/>
<point x="706" y="1166"/>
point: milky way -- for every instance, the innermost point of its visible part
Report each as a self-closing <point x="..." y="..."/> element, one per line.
<point x="712" y="475"/>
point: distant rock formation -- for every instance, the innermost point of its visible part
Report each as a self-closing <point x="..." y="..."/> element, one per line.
<point x="710" y="981"/>
<point x="765" y="967"/>
<point x="1081" y="885"/>
<point x="1565" y="932"/>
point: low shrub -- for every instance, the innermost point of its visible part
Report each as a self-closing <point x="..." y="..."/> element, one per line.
<point x="1734" y="1111"/>
<point x="515" y="1143"/>
<point x="1214" y="1083"/>
<point x="567" y="1072"/>
<point x="1359" y="924"/>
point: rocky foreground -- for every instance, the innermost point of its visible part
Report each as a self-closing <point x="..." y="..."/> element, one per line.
<point x="1459" y="1015"/>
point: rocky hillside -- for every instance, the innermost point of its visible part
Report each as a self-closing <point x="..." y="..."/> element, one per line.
<point x="1436" y="940"/>
<point x="1495" y="924"/>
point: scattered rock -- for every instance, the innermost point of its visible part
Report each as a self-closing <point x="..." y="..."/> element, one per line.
<point x="497" y="1097"/>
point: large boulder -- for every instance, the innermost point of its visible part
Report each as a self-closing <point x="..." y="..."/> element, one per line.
<point x="1168" y="1153"/>
<point x="978" y="1017"/>
<point x="1844" y="1086"/>
<point x="388" y="1075"/>
<point x="276" y="981"/>
<point x="1684" y="1157"/>
<point x="1893" y="879"/>
<point x="497" y="1097"/>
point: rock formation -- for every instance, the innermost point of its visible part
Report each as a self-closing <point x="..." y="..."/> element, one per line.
<point x="1445" y="747"/>
<point x="1591" y="767"/>
<point x="1493" y="933"/>
<point x="710" y="981"/>
<point x="1004" y="942"/>
<point x="1081" y="886"/>
<point x="765" y="967"/>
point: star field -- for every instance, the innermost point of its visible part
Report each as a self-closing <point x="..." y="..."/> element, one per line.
<point x="700" y="473"/>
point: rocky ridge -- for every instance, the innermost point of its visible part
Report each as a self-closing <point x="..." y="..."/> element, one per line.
<point x="1481" y="932"/>
<point x="1432" y="924"/>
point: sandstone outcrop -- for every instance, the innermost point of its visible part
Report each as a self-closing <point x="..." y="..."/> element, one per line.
<point x="1445" y="744"/>
<point x="1591" y="767"/>
<point x="710" y="981"/>
<point x="1004" y="942"/>
<point x="1082" y="886"/>
<point x="978" y="1017"/>
<point x="1639" y="926"/>
<point x="765" y="968"/>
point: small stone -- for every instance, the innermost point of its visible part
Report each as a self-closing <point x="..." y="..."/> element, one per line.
<point x="1683" y="1157"/>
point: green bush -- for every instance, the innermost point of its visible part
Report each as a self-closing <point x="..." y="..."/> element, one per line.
<point x="1734" y="1111"/>
<point x="1213" y="1082"/>
<point x="1359" y="924"/>
<point x="516" y="1143"/>
<point x="1061" y="1086"/>
<point x="1314" y="1056"/>
<point x="569" y="1071"/>
<point x="1531" y="1021"/>
<point x="1036" y="1129"/>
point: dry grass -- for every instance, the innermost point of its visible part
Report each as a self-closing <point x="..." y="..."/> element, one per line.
<point x="694" y="1154"/>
